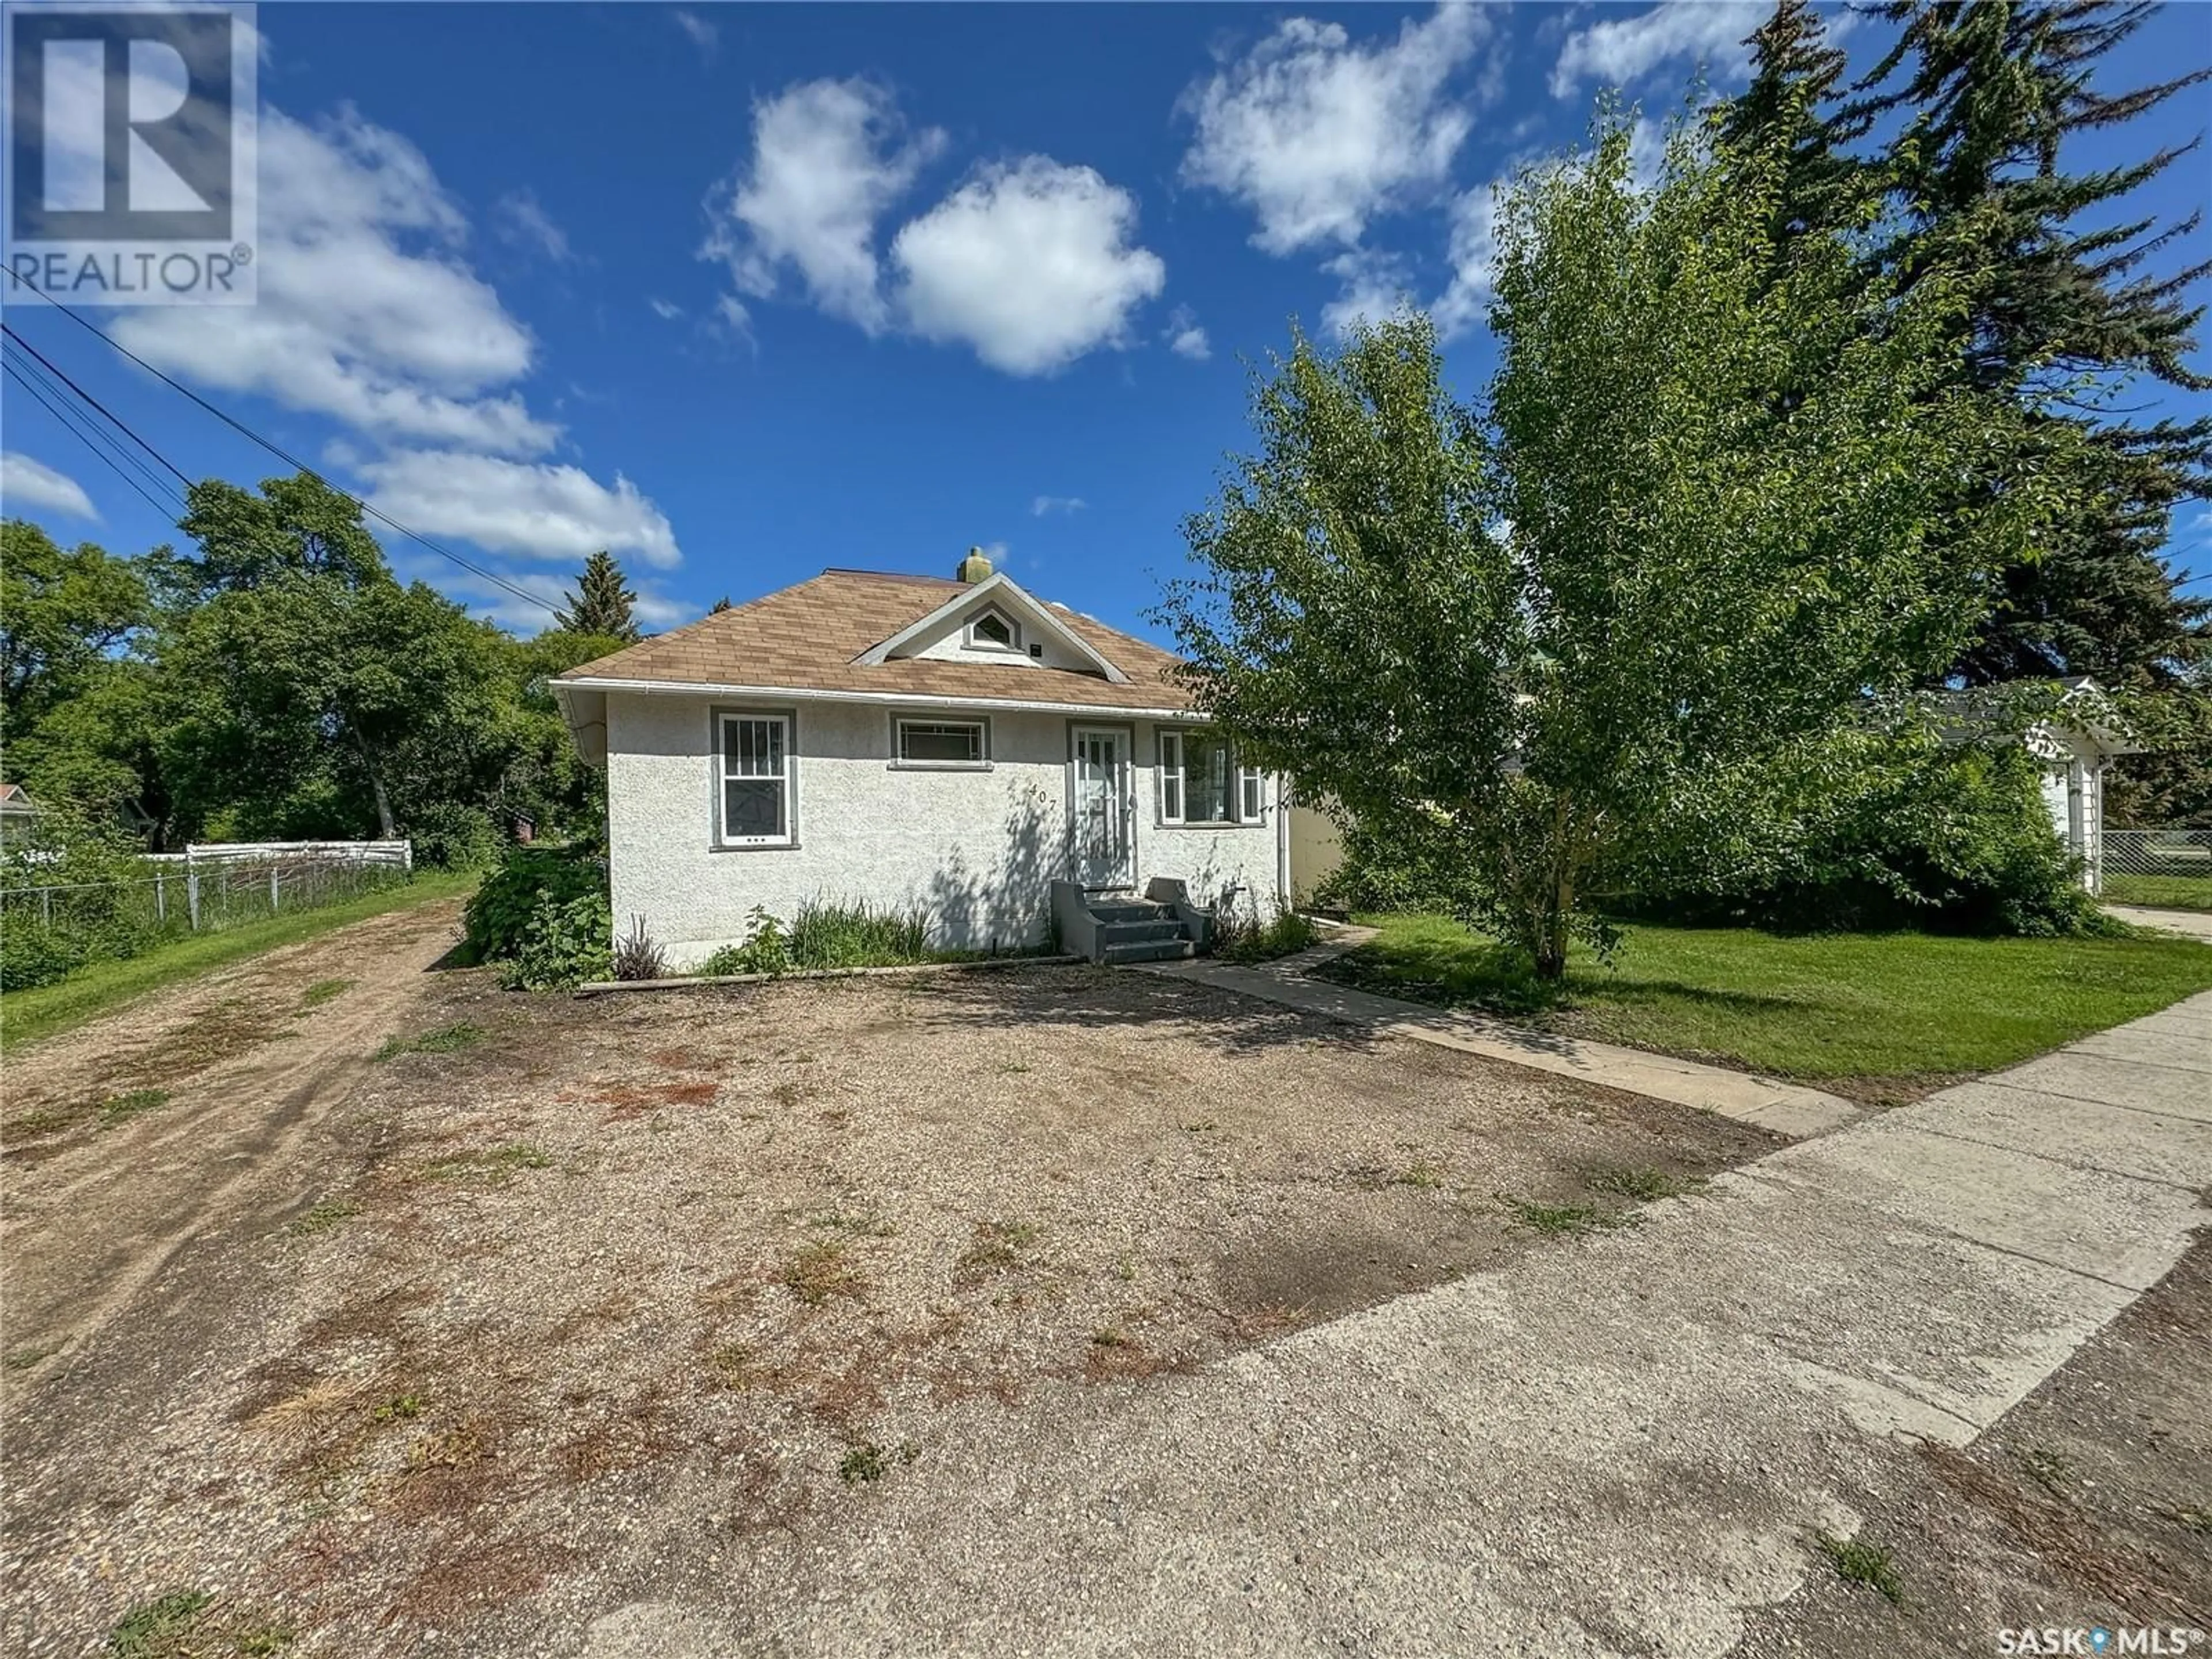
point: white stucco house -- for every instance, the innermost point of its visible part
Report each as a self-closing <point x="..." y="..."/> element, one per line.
<point x="959" y="746"/>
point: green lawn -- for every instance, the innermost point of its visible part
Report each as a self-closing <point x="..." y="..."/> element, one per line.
<point x="1876" y="1015"/>
<point x="2160" y="892"/>
<point x="26" y="1016"/>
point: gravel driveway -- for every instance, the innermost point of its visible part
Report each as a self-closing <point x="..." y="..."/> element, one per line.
<point x="731" y="1261"/>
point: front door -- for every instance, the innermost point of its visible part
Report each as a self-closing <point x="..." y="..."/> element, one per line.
<point x="1104" y="853"/>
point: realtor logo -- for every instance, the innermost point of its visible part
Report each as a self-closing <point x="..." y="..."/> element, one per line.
<point x="130" y="169"/>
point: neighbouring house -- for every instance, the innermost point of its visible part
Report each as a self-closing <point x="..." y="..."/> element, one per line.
<point x="19" y="813"/>
<point x="1005" y="765"/>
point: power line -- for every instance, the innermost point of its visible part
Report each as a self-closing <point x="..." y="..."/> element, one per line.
<point x="168" y="510"/>
<point x="246" y="431"/>
<point x="114" y="419"/>
<point x="58" y="404"/>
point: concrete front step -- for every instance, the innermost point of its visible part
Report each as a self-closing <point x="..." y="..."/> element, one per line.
<point x="1139" y="933"/>
<point x="1133" y="910"/>
<point x="1159" y="950"/>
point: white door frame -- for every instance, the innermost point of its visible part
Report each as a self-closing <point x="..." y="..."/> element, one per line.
<point x="1120" y="800"/>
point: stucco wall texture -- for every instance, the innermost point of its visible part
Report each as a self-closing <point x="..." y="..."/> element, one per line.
<point x="975" y="850"/>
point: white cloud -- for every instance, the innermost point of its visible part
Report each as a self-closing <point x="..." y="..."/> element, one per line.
<point x="703" y="34"/>
<point x="1044" y="505"/>
<point x="667" y="310"/>
<point x="830" y="158"/>
<point x="1185" y="337"/>
<point x="1472" y="249"/>
<point x="1621" y="51"/>
<point x="1318" y="135"/>
<point x="366" y="311"/>
<point x="1030" y="263"/>
<point x="537" y="510"/>
<point x="1375" y="288"/>
<point x="522" y="219"/>
<point x="29" y="485"/>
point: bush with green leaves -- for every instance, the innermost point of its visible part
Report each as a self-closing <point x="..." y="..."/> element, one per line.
<point x="565" y="944"/>
<point x="1947" y="837"/>
<point x="1285" y="934"/>
<point x="767" y="949"/>
<point x="502" y="910"/>
<point x="73" y="893"/>
<point x="452" y="836"/>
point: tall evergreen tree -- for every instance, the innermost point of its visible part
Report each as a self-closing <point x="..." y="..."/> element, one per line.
<point x="2063" y="312"/>
<point x="1788" y="110"/>
<point x="601" y="604"/>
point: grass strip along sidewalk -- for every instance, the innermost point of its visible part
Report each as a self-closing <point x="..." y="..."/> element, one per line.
<point x="1881" y="1017"/>
<point x="27" y="1016"/>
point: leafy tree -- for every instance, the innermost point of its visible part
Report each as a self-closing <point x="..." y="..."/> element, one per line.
<point x="63" y="614"/>
<point x="1644" y="595"/>
<point x="601" y="604"/>
<point x="1789" y="108"/>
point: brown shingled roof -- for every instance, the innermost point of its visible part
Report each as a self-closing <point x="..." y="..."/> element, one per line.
<point x="804" y="638"/>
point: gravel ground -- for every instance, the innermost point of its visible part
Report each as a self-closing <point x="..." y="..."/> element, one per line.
<point x="726" y="1259"/>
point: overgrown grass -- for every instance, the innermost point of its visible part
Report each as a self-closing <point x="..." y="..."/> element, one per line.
<point x="2159" y="892"/>
<point x="27" y="1016"/>
<point x="1856" y="1010"/>
<point x="1286" y="934"/>
<point x="827" y="934"/>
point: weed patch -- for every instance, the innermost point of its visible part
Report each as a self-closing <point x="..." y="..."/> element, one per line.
<point x="193" y="1624"/>
<point x="1572" y="1219"/>
<point x="496" y="1165"/>
<point x="322" y="990"/>
<point x="1641" y="1185"/>
<point x="445" y="1040"/>
<point x="1859" y="1563"/>
<point x="867" y="1463"/>
<point x="997" y="1248"/>
<point x="815" y="1272"/>
<point x="121" y="1109"/>
<point x="322" y="1217"/>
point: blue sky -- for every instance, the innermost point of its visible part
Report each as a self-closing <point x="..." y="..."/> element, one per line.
<point x="744" y="292"/>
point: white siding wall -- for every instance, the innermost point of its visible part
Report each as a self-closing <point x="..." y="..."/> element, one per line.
<point x="975" y="849"/>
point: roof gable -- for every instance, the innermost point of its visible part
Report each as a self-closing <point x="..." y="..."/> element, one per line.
<point x="1002" y="594"/>
<point x="811" y="638"/>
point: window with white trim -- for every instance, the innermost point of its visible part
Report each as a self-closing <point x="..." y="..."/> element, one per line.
<point x="993" y="631"/>
<point x="1201" y="783"/>
<point x="943" y="742"/>
<point x="755" y="792"/>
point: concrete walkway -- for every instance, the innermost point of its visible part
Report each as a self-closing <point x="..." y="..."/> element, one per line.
<point x="1613" y="1445"/>
<point x="1785" y="1109"/>
<point x="2193" y="924"/>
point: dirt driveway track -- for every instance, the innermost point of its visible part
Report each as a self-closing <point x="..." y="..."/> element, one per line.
<point x="132" y="1135"/>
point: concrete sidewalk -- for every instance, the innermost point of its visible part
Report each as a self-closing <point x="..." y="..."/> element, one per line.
<point x="1613" y="1445"/>
<point x="1785" y="1109"/>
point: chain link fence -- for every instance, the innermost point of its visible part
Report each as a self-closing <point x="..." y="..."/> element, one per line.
<point x="2158" y="867"/>
<point x="47" y="928"/>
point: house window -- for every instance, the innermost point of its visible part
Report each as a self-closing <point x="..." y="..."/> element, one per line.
<point x="943" y="742"/>
<point x="756" y="781"/>
<point x="1200" y="782"/>
<point x="992" y="632"/>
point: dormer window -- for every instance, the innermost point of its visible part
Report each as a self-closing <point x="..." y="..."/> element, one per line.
<point x="992" y="630"/>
